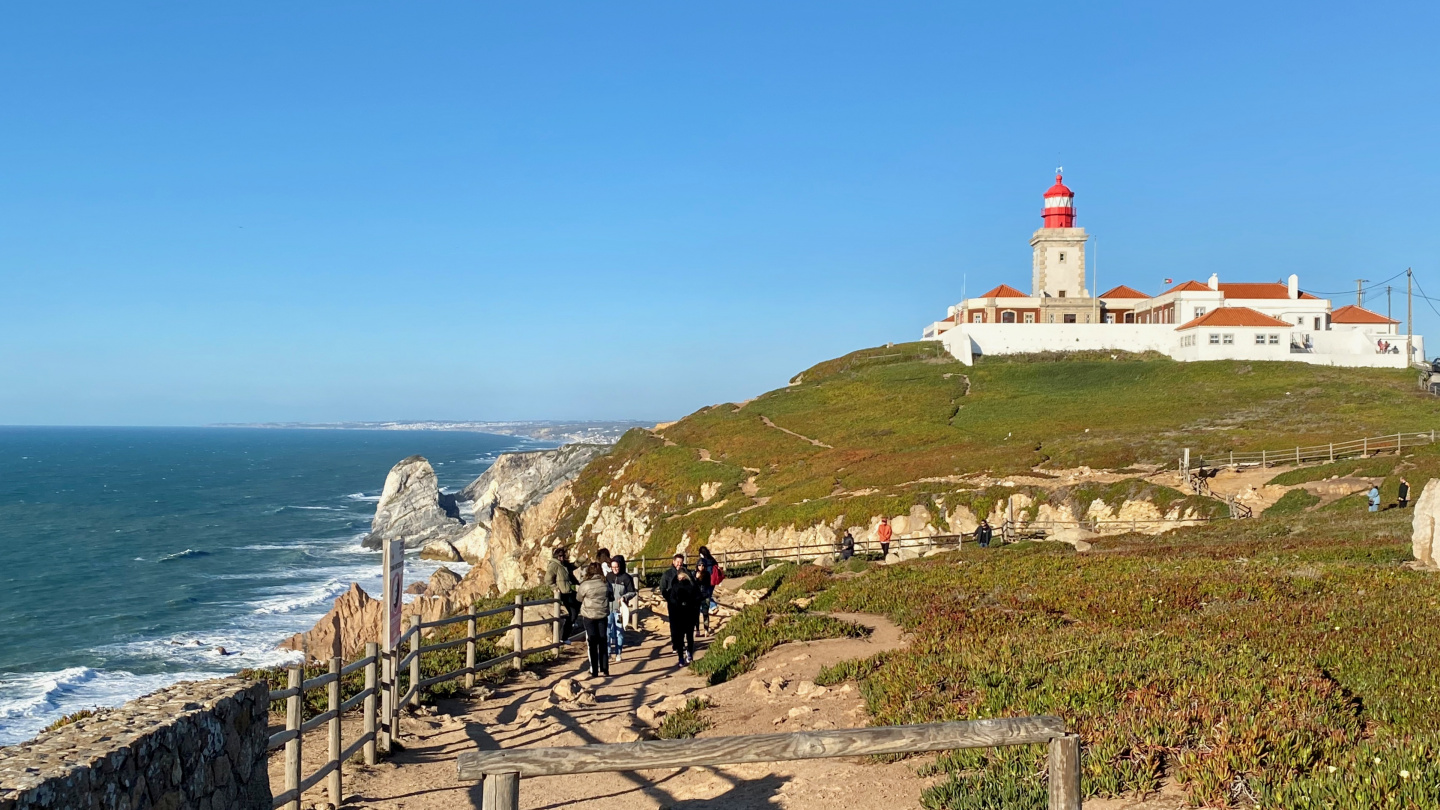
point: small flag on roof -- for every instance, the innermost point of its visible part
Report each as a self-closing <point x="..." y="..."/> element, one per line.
<point x="1169" y="281"/>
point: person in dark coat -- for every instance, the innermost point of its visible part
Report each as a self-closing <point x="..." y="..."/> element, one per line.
<point x="705" y="567"/>
<point x="1404" y="495"/>
<point x="983" y="533"/>
<point x="622" y="596"/>
<point x="560" y="576"/>
<point x="847" y="546"/>
<point x="682" y="597"/>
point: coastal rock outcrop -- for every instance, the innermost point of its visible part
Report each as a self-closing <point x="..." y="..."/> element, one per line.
<point x="518" y="481"/>
<point x="352" y="621"/>
<point x="1425" y="526"/>
<point x="413" y="509"/>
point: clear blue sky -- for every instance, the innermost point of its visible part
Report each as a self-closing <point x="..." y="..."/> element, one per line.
<point x="316" y="211"/>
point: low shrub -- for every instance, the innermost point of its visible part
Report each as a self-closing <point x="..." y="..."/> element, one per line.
<point x="685" y="723"/>
<point x="1292" y="502"/>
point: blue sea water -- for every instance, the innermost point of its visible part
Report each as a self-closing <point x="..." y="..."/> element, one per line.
<point x="128" y="555"/>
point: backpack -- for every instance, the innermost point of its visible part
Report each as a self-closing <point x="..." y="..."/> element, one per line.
<point x="717" y="575"/>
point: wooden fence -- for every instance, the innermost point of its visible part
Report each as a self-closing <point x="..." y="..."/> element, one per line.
<point x="500" y="771"/>
<point x="1334" y="451"/>
<point x="381" y="681"/>
<point x="743" y="558"/>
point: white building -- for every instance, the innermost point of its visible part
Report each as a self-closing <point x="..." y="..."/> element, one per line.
<point x="1190" y="321"/>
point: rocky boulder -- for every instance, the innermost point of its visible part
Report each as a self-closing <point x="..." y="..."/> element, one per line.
<point x="353" y="621"/>
<point x="1425" y="533"/>
<point x="517" y="481"/>
<point x="413" y="509"/>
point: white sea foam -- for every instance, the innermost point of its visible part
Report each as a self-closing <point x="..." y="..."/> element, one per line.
<point x="313" y="594"/>
<point x="360" y="496"/>
<point x="180" y="555"/>
<point x="30" y="701"/>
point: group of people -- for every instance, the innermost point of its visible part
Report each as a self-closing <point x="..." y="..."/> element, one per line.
<point x="883" y="533"/>
<point x="690" y="597"/>
<point x="1402" y="496"/>
<point x="601" y="598"/>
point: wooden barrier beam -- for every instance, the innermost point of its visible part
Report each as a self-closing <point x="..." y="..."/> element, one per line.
<point x="854" y="742"/>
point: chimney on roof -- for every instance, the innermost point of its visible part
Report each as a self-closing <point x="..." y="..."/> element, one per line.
<point x="1215" y="281"/>
<point x="1294" y="286"/>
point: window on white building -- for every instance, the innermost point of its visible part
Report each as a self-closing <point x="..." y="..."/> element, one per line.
<point x="1062" y="294"/>
<point x="1070" y="318"/>
<point x="1007" y="317"/>
<point x="1062" y="255"/>
<point x="1109" y="317"/>
<point x="1229" y="340"/>
<point x="1214" y="338"/>
<point x="1317" y="324"/>
<point x="1274" y="340"/>
<point x="1199" y="311"/>
<point x="978" y="317"/>
<point x="1259" y="339"/>
<point x="1029" y="317"/>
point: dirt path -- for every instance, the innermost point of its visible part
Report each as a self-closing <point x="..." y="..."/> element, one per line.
<point x="766" y="700"/>
<point x="815" y="442"/>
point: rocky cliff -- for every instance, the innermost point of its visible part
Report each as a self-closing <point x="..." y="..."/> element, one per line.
<point x="413" y="509"/>
<point x="518" y="481"/>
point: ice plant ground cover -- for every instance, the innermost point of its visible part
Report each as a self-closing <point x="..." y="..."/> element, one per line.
<point x="1279" y="662"/>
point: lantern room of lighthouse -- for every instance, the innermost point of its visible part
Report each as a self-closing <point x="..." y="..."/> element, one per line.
<point x="1058" y="263"/>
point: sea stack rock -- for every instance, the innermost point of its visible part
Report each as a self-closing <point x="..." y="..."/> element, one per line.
<point x="413" y="509"/>
<point x="1424" y="542"/>
<point x="518" y="481"/>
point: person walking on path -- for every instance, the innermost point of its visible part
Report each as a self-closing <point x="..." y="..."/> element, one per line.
<point x="622" y="591"/>
<point x="707" y="569"/>
<point x="983" y="533"/>
<point x="560" y="577"/>
<point x="1404" y="495"/>
<point x="847" y="546"/>
<point x="883" y="534"/>
<point x="682" y="597"/>
<point x="1374" y="497"/>
<point x="594" y="595"/>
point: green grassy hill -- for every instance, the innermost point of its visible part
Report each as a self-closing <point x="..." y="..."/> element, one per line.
<point x="878" y="430"/>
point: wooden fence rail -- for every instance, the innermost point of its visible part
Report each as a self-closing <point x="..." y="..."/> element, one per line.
<point x="500" y="771"/>
<point x="382" y="687"/>
<point x="1333" y="451"/>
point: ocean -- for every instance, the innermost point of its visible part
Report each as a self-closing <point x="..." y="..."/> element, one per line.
<point x="129" y="555"/>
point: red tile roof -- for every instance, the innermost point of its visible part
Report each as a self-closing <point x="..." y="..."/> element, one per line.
<point x="1189" y="286"/>
<point x="1234" y="316"/>
<point x="1353" y="314"/>
<point x="1003" y="291"/>
<point x="1254" y="290"/>
<point x="1123" y="292"/>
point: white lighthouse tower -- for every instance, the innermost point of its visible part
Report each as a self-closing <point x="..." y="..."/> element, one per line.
<point x="1058" y="260"/>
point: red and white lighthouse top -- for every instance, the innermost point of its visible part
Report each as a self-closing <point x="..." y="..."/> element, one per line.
<point x="1059" y="209"/>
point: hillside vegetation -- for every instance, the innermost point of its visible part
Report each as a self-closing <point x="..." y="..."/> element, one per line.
<point x="879" y="430"/>
<point x="1281" y="662"/>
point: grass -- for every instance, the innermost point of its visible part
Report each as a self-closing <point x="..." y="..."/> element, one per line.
<point x="73" y="717"/>
<point x="1267" y="662"/>
<point x="1377" y="467"/>
<point x="1296" y="500"/>
<point x="685" y="723"/>
<point x="894" y="417"/>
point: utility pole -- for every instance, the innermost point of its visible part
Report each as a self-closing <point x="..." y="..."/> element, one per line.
<point x="1409" y="319"/>
<point x="1387" y="300"/>
<point x="1360" y="291"/>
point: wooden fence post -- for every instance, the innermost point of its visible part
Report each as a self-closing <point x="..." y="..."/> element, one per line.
<point x="519" y="622"/>
<point x="797" y="551"/>
<point x="470" y="651"/>
<point x="762" y="557"/>
<point x="387" y="697"/>
<point x="1332" y="452"/>
<point x="294" y="706"/>
<point x="332" y="703"/>
<point x="415" y="659"/>
<point x="1397" y="444"/>
<point x="1297" y="456"/>
<point x="501" y="792"/>
<point x="1263" y="465"/>
<point x="559" y="622"/>
<point x="372" y="651"/>
<point x="1065" y="773"/>
<point x="1232" y="458"/>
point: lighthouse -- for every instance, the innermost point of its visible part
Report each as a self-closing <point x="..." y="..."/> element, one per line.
<point x="1058" y="259"/>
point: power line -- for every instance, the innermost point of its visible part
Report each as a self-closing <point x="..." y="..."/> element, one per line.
<point x="1347" y="292"/>
<point x="1427" y="298"/>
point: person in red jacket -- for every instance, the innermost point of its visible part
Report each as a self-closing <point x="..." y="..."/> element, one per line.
<point x="883" y="534"/>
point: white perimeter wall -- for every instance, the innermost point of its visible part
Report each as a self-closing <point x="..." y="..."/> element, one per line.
<point x="966" y="341"/>
<point x="1336" y="348"/>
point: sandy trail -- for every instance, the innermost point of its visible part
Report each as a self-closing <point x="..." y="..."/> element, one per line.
<point x="521" y="714"/>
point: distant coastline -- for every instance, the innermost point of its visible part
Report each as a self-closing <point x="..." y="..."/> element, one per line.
<point x="602" y="431"/>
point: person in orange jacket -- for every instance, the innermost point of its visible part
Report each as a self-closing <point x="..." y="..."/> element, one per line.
<point x="884" y="534"/>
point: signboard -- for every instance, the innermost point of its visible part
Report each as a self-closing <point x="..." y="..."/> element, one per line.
<point x="394" y="592"/>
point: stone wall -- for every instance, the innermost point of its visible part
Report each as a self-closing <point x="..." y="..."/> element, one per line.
<point x="192" y="745"/>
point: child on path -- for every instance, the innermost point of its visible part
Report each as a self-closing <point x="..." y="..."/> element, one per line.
<point x="705" y="568"/>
